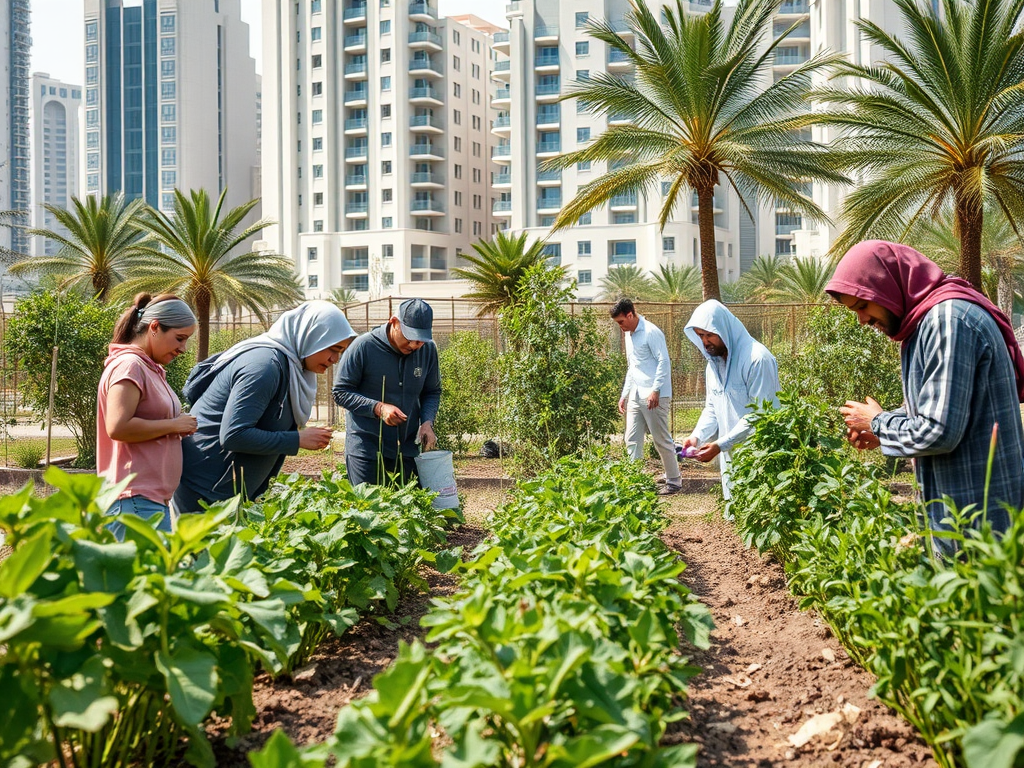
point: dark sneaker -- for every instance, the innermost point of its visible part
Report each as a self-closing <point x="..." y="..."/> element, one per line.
<point x="669" y="489"/>
<point x="661" y="480"/>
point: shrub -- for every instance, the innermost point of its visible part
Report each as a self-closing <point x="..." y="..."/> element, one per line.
<point x="81" y="330"/>
<point x="559" y="388"/>
<point x="469" y="381"/>
<point x="28" y="455"/>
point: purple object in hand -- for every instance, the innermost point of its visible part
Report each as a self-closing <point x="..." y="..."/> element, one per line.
<point x="689" y="452"/>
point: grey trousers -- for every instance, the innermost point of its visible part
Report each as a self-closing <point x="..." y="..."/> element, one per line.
<point x="640" y="421"/>
<point x="378" y="470"/>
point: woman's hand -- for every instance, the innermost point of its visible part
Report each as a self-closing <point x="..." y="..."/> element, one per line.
<point x="184" y="424"/>
<point x="315" y="438"/>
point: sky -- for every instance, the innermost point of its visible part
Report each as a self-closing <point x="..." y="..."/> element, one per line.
<point x="58" y="46"/>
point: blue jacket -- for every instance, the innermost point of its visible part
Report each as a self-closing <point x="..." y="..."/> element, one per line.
<point x="372" y="371"/>
<point x="245" y="428"/>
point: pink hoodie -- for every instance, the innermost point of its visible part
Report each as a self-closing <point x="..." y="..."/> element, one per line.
<point x="156" y="464"/>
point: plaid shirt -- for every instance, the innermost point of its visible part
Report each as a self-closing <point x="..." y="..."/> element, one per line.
<point x="958" y="382"/>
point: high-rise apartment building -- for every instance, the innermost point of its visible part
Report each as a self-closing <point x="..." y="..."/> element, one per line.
<point x="15" y="52"/>
<point x="170" y="99"/>
<point x="56" y="153"/>
<point x="546" y="49"/>
<point x="376" y="152"/>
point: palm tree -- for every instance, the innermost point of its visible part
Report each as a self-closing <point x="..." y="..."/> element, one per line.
<point x="676" y="284"/>
<point x="803" y="280"/>
<point x="762" y="282"/>
<point x="941" y="121"/>
<point x="101" y="237"/>
<point x="626" y="281"/>
<point x="343" y="297"/>
<point x="498" y="269"/>
<point x="195" y="260"/>
<point x="699" y="114"/>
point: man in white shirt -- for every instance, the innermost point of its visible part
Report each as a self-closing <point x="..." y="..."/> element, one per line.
<point x="647" y="391"/>
<point x="741" y="371"/>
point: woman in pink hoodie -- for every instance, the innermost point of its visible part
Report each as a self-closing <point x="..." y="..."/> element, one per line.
<point x="139" y="423"/>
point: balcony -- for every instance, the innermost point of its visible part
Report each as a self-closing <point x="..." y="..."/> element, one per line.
<point x="502" y="121"/>
<point x="623" y="202"/>
<point x="424" y="67"/>
<point x="355" y="13"/>
<point x="428" y="207"/>
<point x="501" y="179"/>
<point x="793" y="8"/>
<point x="425" y="124"/>
<point x="356" y="210"/>
<point x="502" y="153"/>
<point x="547" y="91"/>
<point x="421" y="262"/>
<point x="619" y="118"/>
<point x="549" y="203"/>
<point x="426" y="39"/>
<point x="551" y="178"/>
<point x="421" y="11"/>
<point x="502" y="207"/>
<point x="801" y="33"/>
<point x="426" y="151"/>
<point x="502" y="95"/>
<point x="425" y="95"/>
<point x="356" y="97"/>
<point x="618" y="259"/>
<point x="355" y="43"/>
<point x="501" y="42"/>
<point x="356" y="69"/>
<point x="427" y="179"/>
<point x="549" y="119"/>
<point x="789" y="59"/>
<point x="542" y="32"/>
<point x="355" y="180"/>
<point x="548" y="148"/>
<point x="716" y="205"/>
<point x="356" y="125"/>
<point x="618" y="59"/>
<point x="546" y="62"/>
<point x="357" y="153"/>
<point x="354" y="265"/>
<point x="502" y="70"/>
<point x="622" y="29"/>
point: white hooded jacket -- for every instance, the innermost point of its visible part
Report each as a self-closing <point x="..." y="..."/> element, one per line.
<point x="748" y="374"/>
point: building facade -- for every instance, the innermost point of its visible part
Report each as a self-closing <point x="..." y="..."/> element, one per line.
<point x="170" y="100"/>
<point x="15" y="53"/>
<point x="376" y="152"/>
<point x="56" y="153"/>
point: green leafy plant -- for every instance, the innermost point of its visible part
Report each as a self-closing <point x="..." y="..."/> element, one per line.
<point x="469" y="372"/>
<point x="81" y="330"/>
<point x="28" y="455"/>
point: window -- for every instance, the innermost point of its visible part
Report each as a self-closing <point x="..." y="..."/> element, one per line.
<point x="167" y="201"/>
<point x="477" y="175"/>
<point x="167" y="46"/>
<point x="457" y="117"/>
<point x="168" y="113"/>
<point x="92" y="74"/>
<point x="475" y="70"/>
<point x="583" y="165"/>
<point x="624" y="218"/>
<point x="458" y="198"/>
<point x="385" y="139"/>
<point x="623" y="249"/>
<point x="168" y="178"/>
<point x="458" y="143"/>
<point x="318" y="171"/>
<point x="316" y="33"/>
<point x="478" y="228"/>
<point x="318" y="198"/>
<point x="476" y="149"/>
<point x="386" y="222"/>
<point x="583" y="75"/>
<point x="385" y="110"/>
<point x="547" y="221"/>
<point x="311" y="254"/>
<point x="666" y="186"/>
<point x="583" y="277"/>
<point x="167" y="69"/>
<point x="585" y="219"/>
<point x="318" y="144"/>
<point x="385" y="55"/>
<point x="92" y="118"/>
<point x="477" y="202"/>
<point x="318" y="88"/>
<point x="456" y="63"/>
<point x="317" y="60"/>
<point x="385" y="27"/>
<point x="387" y="251"/>
<point x="168" y="156"/>
<point x="457" y="90"/>
<point x="314" y="6"/>
<point x="458" y="226"/>
<point x="455" y="36"/>
<point x="458" y="171"/>
<point x="92" y="140"/>
<point x="167" y="90"/>
<point x="583" y="248"/>
<point x="168" y="135"/>
<point x="582" y="18"/>
<point x="93" y="161"/>
<point x="314" y="281"/>
<point x="318" y="225"/>
<point x="92" y="31"/>
<point x="385" y="167"/>
<point x="92" y="96"/>
<point x="385" y="83"/>
<point x="318" y="116"/>
<point x="386" y="195"/>
<point x="92" y="180"/>
<point x="582" y="135"/>
<point x="477" y="123"/>
<point x="92" y="53"/>
<point x="583" y="49"/>
<point x="476" y="96"/>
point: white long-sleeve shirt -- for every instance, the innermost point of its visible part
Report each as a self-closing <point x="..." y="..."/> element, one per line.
<point x="650" y="368"/>
<point x="748" y="374"/>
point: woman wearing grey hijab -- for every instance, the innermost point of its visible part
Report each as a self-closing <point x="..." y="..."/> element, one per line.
<point x="252" y="403"/>
<point x="139" y="423"/>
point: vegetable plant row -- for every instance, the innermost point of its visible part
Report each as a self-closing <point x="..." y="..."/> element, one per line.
<point x="944" y="638"/>
<point x="562" y="648"/>
<point x="114" y="652"/>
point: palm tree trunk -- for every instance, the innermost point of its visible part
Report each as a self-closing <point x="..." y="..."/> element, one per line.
<point x="1004" y="288"/>
<point x="969" y="220"/>
<point x="708" y="255"/>
<point x="203" y="316"/>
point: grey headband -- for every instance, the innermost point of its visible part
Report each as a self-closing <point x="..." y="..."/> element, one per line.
<point x="173" y="313"/>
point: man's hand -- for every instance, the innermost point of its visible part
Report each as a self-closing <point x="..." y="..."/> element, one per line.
<point x="622" y="405"/>
<point x="426" y="437"/>
<point x="390" y="414"/>
<point x="864" y="441"/>
<point x="652" y="400"/>
<point x="690" y="442"/>
<point x="707" y="452"/>
<point x="315" y="438"/>
<point x="858" y="416"/>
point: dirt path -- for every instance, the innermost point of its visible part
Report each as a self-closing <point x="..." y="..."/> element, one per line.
<point x="772" y="667"/>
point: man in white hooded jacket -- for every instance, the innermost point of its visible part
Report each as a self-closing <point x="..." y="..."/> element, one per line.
<point x="740" y="372"/>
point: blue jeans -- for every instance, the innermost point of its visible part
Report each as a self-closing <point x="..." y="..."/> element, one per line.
<point x="139" y="506"/>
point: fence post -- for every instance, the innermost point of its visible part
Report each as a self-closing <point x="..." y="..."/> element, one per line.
<point x="453" y="314"/>
<point x="792" y="328"/>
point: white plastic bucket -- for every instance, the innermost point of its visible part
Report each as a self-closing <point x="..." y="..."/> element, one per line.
<point x="437" y="473"/>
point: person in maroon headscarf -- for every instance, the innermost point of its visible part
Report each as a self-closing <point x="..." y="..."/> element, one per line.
<point x="963" y="381"/>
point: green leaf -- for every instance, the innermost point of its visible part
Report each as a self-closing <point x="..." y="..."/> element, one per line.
<point x="447" y="559"/>
<point x="28" y="563"/>
<point x="279" y="752"/>
<point x="270" y="615"/>
<point x="994" y="743"/>
<point x="15" y="616"/>
<point x="593" y="747"/>
<point x="105" y="567"/>
<point x="83" y="701"/>
<point x="191" y="678"/>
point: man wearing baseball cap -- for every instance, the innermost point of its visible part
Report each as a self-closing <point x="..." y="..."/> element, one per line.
<point x="389" y="382"/>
